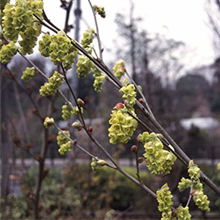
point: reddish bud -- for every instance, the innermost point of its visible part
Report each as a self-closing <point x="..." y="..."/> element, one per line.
<point x="138" y="138"/>
<point x="30" y="89"/>
<point x="34" y="110"/>
<point x="193" y="192"/>
<point x="141" y="100"/>
<point x="126" y="102"/>
<point x="90" y="128"/>
<point x="80" y="102"/>
<point x="38" y="157"/>
<point x="140" y="159"/>
<point x="123" y="68"/>
<point x="55" y="109"/>
<point x="28" y="145"/>
<point x="134" y="149"/>
<point x="160" y="136"/>
<point x="17" y="140"/>
<point x="51" y="139"/>
<point x="119" y="105"/>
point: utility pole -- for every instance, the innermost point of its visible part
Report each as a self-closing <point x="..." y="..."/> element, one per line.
<point x="77" y="13"/>
<point x="74" y="78"/>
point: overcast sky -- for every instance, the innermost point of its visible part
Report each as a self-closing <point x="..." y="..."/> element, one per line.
<point x="183" y="20"/>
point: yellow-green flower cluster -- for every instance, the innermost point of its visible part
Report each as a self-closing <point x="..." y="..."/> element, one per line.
<point x="129" y="95"/>
<point x="200" y="199"/>
<point x="64" y="143"/>
<point x="164" y="198"/>
<point x="159" y="161"/>
<point x="84" y="65"/>
<point x="87" y="37"/>
<point x="29" y="38"/>
<point x="184" y="184"/>
<point x="194" y="172"/>
<point x="48" y="122"/>
<point x="7" y="52"/>
<point x="76" y="110"/>
<point x="99" y="79"/>
<point x="28" y="74"/>
<point x="182" y="213"/>
<point x="122" y="126"/>
<point x="19" y="19"/>
<point x="67" y="111"/>
<point x="119" y="69"/>
<point x="53" y="85"/>
<point x="10" y="32"/>
<point x="94" y="164"/>
<point x="59" y="48"/>
<point x="44" y="45"/>
<point x="100" y="10"/>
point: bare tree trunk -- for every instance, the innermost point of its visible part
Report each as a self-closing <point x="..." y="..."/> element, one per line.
<point x="3" y="137"/>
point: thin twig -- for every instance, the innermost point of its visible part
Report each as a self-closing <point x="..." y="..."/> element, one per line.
<point x="97" y="31"/>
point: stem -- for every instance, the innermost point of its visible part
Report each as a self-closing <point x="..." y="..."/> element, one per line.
<point x="42" y="158"/>
<point x="40" y="175"/>
<point x="190" y="195"/>
<point x="97" y="31"/>
<point x="137" y="165"/>
<point x="66" y="28"/>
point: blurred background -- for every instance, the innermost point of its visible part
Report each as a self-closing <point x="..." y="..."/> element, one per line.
<point x="171" y="49"/>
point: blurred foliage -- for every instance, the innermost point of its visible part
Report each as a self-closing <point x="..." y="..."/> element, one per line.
<point x="78" y="192"/>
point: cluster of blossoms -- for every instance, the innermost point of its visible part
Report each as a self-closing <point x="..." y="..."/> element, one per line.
<point x="7" y="52"/>
<point x="122" y="125"/>
<point x="164" y="198"/>
<point x="200" y="199"/>
<point x="48" y="122"/>
<point x="67" y="111"/>
<point x="87" y="37"/>
<point x="99" y="79"/>
<point x="158" y="160"/>
<point x="59" y="48"/>
<point x="64" y="143"/>
<point x="119" y="69"/>
<point x="53" y="85"/>
<point x="96" y="163"/>
<point x="19" y="20"/>
<point x="129" y="95"/>
<point x="28" y="74"/>
<point x="84" y="66"/>
<point x="100" y="10"/>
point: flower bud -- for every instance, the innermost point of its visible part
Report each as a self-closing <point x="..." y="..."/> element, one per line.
<point x="90" y="129"/>
<point x="101" y="162"/>
<point x="140" y="159"/>
<point x="141" y="100"/>
<point x="77" y="125"/>
<point x="80" y="102"/>
<point x="119" y="105"/>
<point x="134" y="149"/>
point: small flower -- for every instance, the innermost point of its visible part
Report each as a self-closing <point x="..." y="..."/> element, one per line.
<point x="48" y="122"/>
